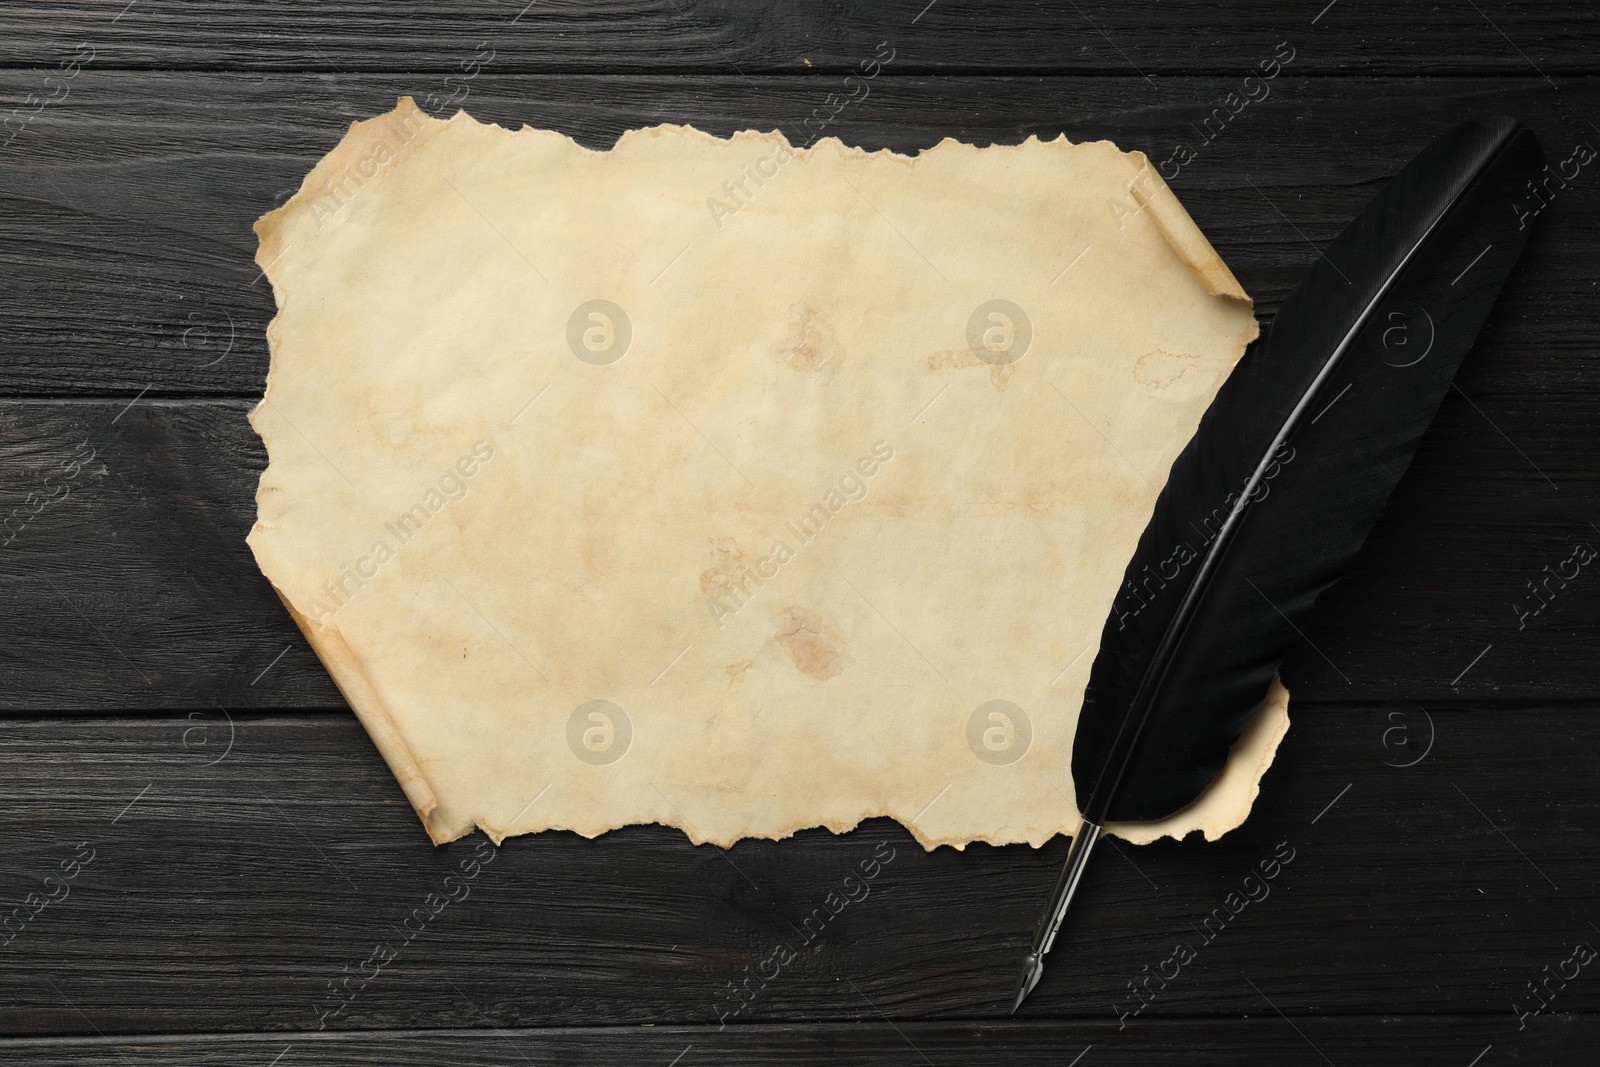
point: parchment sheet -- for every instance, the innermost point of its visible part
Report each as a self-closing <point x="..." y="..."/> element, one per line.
<point x="724" y="484"/>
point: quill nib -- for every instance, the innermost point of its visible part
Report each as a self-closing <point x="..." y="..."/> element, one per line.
<point x="1044" y="936"/>
<point x="1032" y="971"/>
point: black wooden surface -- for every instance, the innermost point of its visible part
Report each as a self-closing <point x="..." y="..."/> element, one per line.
<point x="236" y="846"/>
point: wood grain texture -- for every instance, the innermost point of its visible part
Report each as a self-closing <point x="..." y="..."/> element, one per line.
<point x="724" y="36"/>
<point x="242" y="865"/>
<point x="126" y="209"/>
<point x="128" y="584"/>
<point x="1560" y="1041"/>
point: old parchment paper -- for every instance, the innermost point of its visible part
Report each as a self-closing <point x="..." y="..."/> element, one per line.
<point x="727" y="485"/>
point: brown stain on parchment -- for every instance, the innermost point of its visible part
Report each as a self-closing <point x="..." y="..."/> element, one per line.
<point x="811" y="345"/>
<point x="966" y="359"/>
<point x="814" y="647"/>
<point x="727" y="566"/>
<point x="1160" y="368"/>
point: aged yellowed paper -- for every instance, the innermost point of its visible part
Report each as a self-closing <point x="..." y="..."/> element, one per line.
<point x="726" y="484"/>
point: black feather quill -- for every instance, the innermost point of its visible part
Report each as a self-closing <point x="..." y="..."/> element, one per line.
<point x="1292" y="465"/>
<point x="1287" y="473"/>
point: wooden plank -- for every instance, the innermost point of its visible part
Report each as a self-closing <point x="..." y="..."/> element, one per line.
<point x="222" y="875"/>
<point x="1445" y="1040"/>
<point x="126" y="208"/>
<point x="124" y="574"/>
<point x="131" y="586"/>
<point x="1086" y="37"/>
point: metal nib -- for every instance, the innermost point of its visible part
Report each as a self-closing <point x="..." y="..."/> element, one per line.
<point x="1044" y="935"/>
<point x="1032" y="971"/>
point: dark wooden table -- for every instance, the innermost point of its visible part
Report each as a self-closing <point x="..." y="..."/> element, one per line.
<point x="213" y="846"/>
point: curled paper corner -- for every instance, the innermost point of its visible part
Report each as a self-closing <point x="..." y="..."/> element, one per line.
<point x="1228" y="800"/>
<point x="1223" y="806"/>
<point x="1157" y="199"/>
<point x="412" y="322"/>
<point x="345" y="669"/>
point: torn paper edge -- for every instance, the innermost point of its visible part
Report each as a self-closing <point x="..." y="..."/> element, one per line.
<point x="398" y="133"/>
